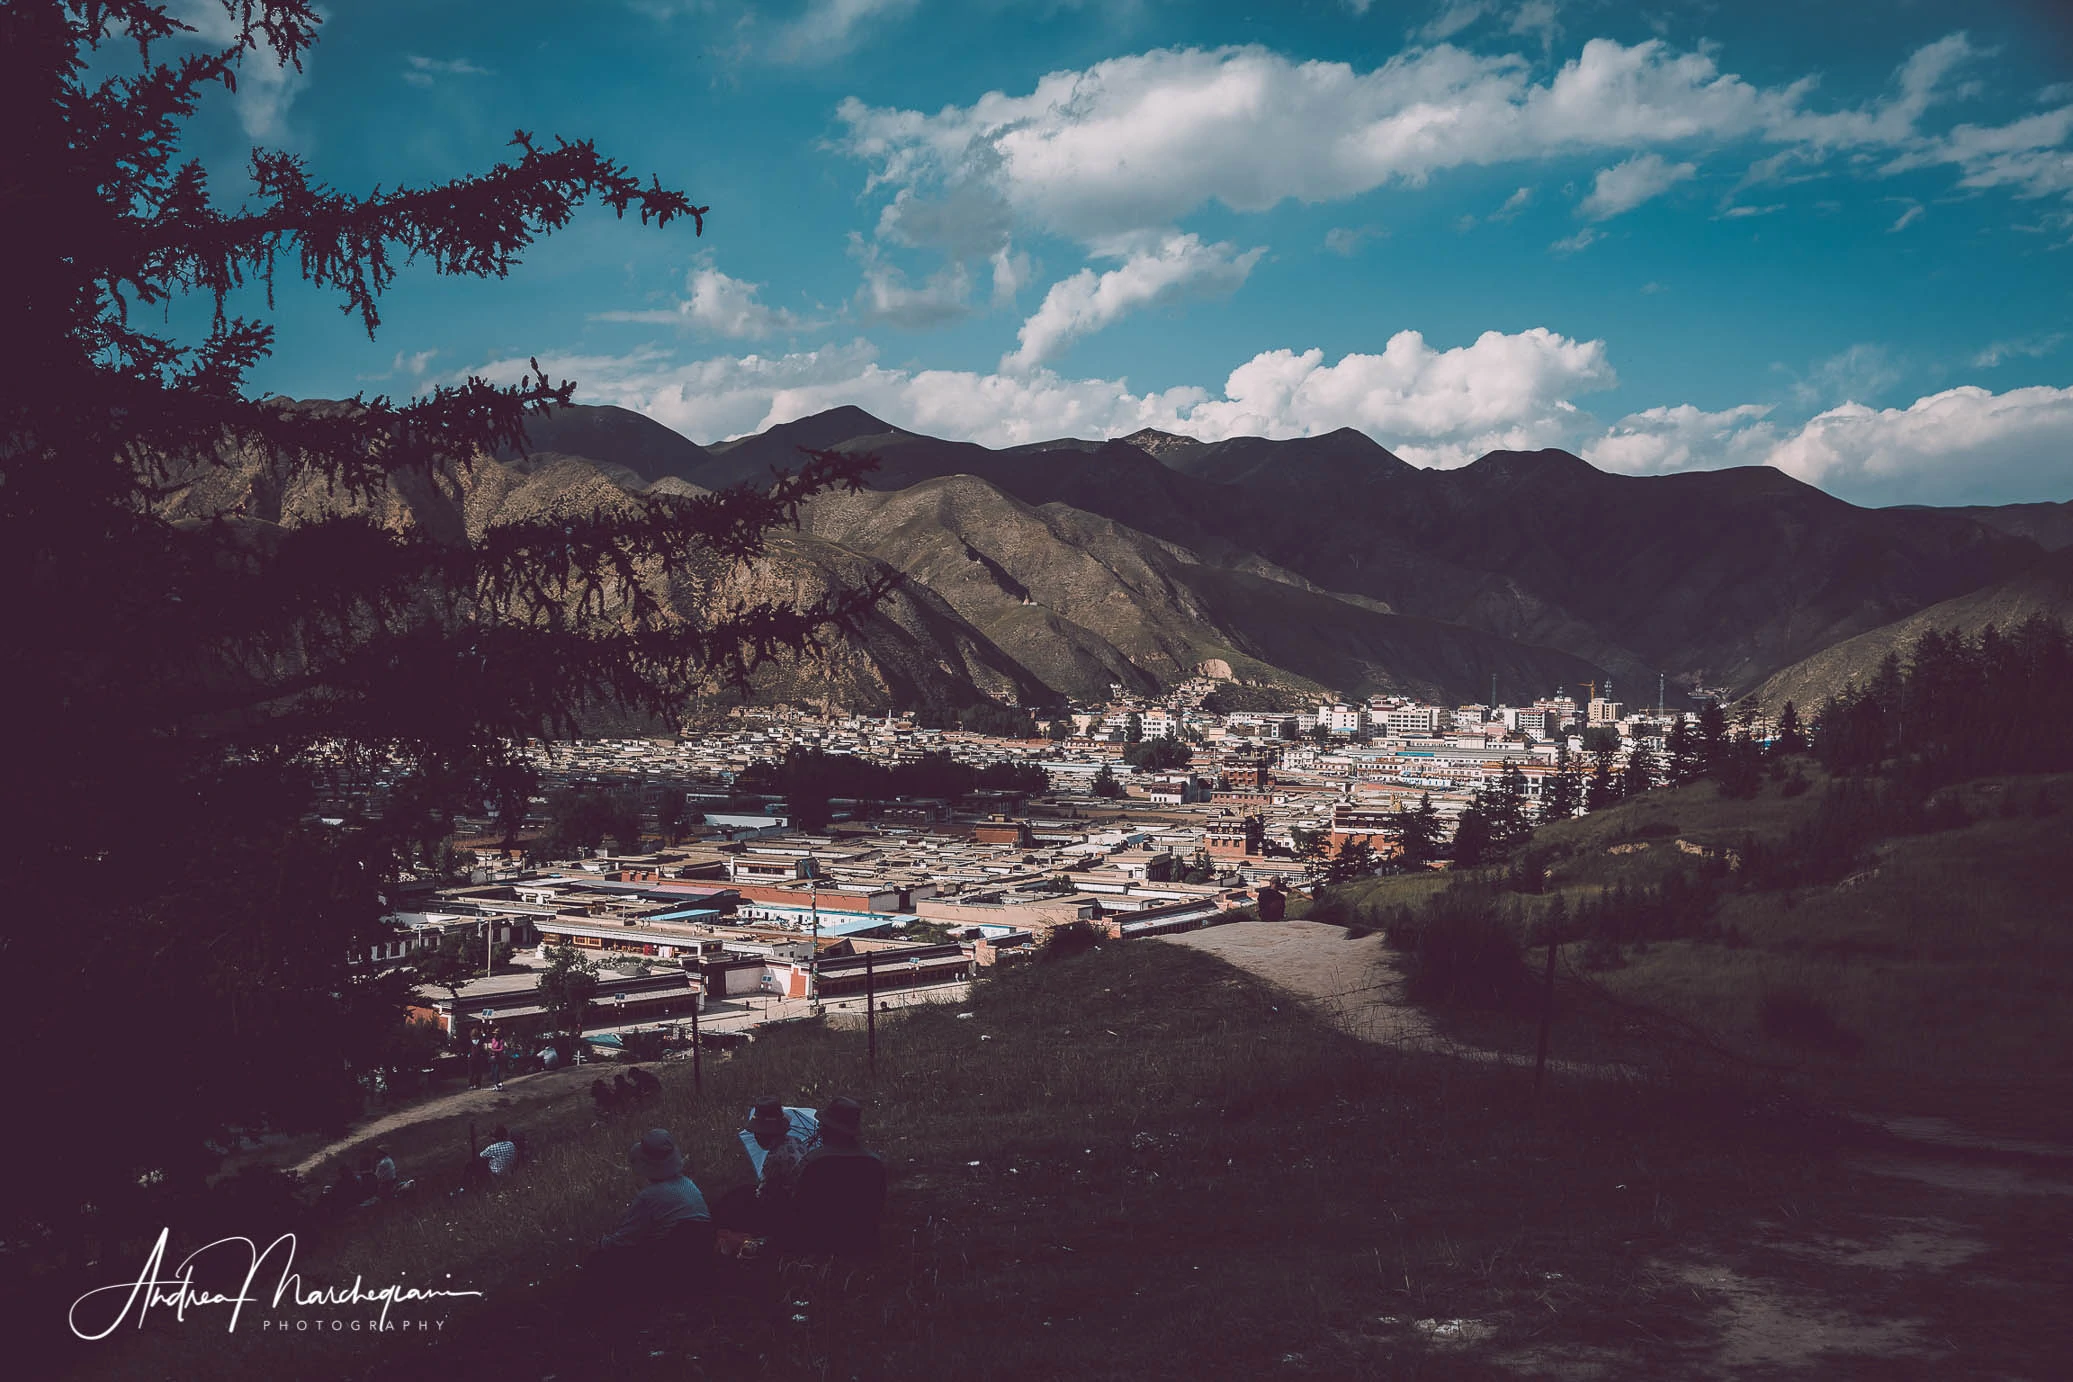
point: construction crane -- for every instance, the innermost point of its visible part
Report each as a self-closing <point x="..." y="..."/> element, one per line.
<point x="1590" y="686"/>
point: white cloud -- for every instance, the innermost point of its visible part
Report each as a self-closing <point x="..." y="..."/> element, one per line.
<point x="1907" y="217"/>
<point x="1736" y="213"/>
<point x="1139" y="142"/>
<point x="830" y="28"/>
<point x="720" y="306"/>
<point x="1176" y="267"/>
<point x="423" y="71"/>
<point x="1347" y="241"/>
<point x="266" y="86"/>
<point x="1435" y="407"/>
<point x="1964" y="445"/>
<point x="1656" y="441"/>
<point x="1011" y="273"/>
<point x="1513" y="205"/>
<point x="886" y="295"/>
<point x="1857" y="374"/>
<point x="1572" y="244"/>
<point x="1624" y="186"/>
<point x="2026" y="347"/>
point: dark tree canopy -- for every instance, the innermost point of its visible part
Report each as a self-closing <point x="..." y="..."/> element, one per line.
<point x="195" y="686"/>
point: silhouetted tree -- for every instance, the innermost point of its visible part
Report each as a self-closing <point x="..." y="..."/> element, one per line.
<point x="1105" y="784"/>
<point x="1471" y="844"/>
<point x="199" y="676"/>
<point x="1791" y="738"/>
<point x="1686" y="754"/>
<point x="1355" y="859"/>
<point x="1640" y="772"/>
<point x="1417" y="833"/>
<point x="1563" y="795"/>
<point x="1606" y="786"/>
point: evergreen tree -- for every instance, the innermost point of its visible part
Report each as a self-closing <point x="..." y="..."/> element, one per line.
<point x="1791" y="738"/>
<point x="1713" y="736"/>
<point x="1471" y="846"/>
<point x="1105" y="784"/>
<point x="1355" y="859"/>
<point x="1687" y="754"/>
<point x="202" y="681"/>
<point x="1640" y="774"/>
<point x="1133" y="729"/>
<point x="1504" y="806"/>
<point x="1607" y="786"/>
<point x="1417" y="833"/>
<point x="1563" y="796"/>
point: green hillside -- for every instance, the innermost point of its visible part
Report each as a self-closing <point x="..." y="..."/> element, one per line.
<point x="1138" y="1163"/>
<point x="1935" y="974"/>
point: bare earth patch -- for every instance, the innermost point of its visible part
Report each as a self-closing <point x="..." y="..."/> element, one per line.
<point x="1862" y="1300"/>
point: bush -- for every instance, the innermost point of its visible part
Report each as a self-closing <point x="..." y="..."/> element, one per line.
<point x="1463" y="948"/>
<point x="1800" y="1019"/>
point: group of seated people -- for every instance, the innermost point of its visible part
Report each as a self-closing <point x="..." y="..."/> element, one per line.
<point x="816" y="1189"/>
<point x="628" y="1088"/>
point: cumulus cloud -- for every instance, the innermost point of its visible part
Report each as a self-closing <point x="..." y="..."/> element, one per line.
<point x="1138" y="142"/>
<point x="1174" y="268"/>
<point x="720" y="306"/>
<point x="830" y="28"/>
<point x="1656" y="441"/>
<point x="1432" y="406"/>
<point x="1582" y="240"/>
<point x="888" y="297"/>
<point x="1964" y="445"/>
<point x="1624" y="186"/>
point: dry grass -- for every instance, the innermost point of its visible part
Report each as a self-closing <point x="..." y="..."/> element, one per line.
<point x="1178" y="1173"/>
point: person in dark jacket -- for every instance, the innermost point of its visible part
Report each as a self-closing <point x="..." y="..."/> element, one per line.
<point x="840" y="1197"/>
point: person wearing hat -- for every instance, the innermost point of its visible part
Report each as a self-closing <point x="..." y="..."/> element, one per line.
<point x="669" y="1210"/>
<point x="777" y="1139"/>
<point x="840" y="1196"/>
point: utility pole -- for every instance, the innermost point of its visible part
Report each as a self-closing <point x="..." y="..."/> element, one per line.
<point x="697" y="1059"/>
<point x="489" y="943"/>
<point x="871" y="1013"/>
<point x="813" y="961"/>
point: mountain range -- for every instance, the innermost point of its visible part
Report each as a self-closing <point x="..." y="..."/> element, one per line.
<point x="1319" y="565"/>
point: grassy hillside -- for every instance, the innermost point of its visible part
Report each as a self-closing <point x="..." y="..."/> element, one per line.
<point x="1133" y="1163"/>
<point x="1936" y="975"/>
<point x="2045" y="589"/>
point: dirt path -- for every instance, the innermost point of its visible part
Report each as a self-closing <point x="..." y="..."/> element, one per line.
<point x="1886" y="1296"/>
<point x="1354" y="984"/>
<point x="543" y="1084"/>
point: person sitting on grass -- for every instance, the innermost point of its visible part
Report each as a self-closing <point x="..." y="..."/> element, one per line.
<point x="667" y="1232"/>
<point x="777" y="1139"/>
<point x="602" y="1100"/>
<point x="501" y="1154"/>
<point x="840" y="1197"/>
<point x="645" y="1086"/>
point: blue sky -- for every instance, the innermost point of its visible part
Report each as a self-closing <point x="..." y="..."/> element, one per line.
<point x="1833" y="238"/>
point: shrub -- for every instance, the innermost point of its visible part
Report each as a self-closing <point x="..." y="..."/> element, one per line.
<point x="1463" y="948"/>
<point x="1798" y="1018"/>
